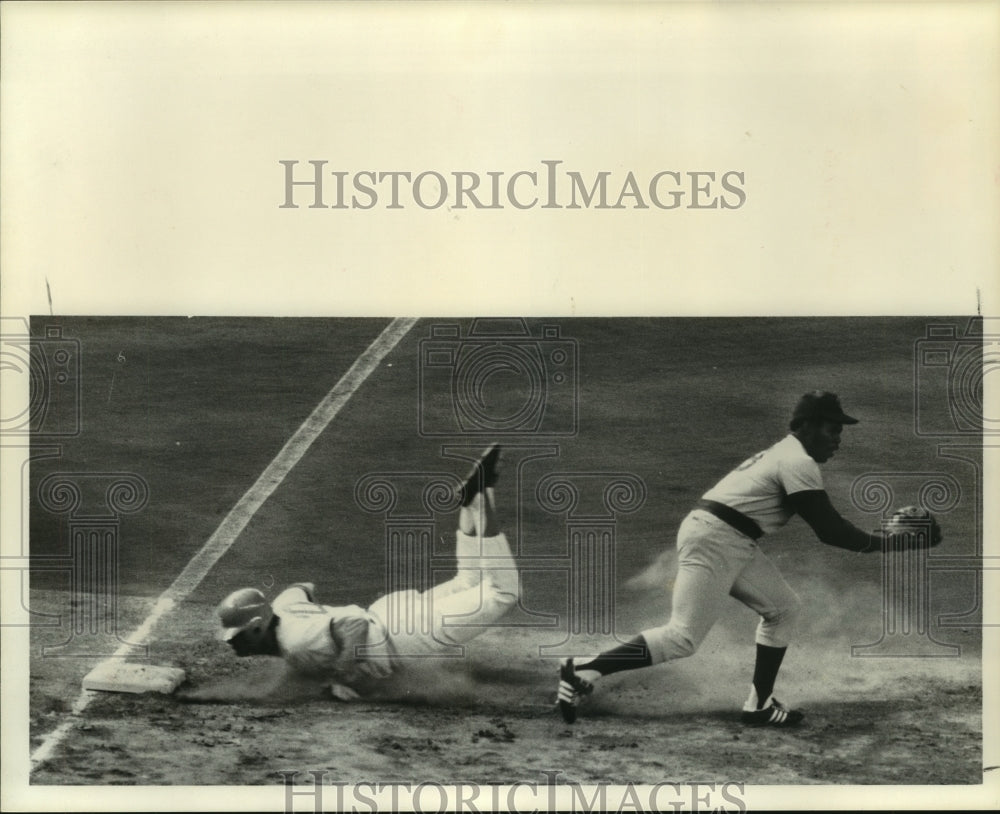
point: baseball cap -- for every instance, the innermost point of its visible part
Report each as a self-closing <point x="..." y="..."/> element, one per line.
<point x="240" y="610"/>
<point x="820" y="404"/>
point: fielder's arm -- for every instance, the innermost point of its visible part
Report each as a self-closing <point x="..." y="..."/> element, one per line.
<point x="815" y="508"/>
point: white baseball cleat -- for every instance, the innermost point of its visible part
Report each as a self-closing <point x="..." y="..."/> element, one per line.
<point x="773" y="713"/>
<point x="571" y="689"/>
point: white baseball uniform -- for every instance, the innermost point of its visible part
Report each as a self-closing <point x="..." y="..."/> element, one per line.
<point x="716" y="560"/>
<point x="350" y="643"/>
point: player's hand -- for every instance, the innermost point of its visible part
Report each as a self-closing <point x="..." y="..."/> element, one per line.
<point x="341" y="692"/>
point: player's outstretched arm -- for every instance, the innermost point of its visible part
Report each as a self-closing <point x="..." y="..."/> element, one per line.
<point x="832" y="529"/>
<point x="815" y="508"/>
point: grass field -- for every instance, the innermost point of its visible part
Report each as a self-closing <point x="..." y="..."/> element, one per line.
<point x="197" y="408"/>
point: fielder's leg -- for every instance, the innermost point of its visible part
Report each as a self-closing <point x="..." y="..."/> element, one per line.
<point x="710" y="557"/>
<point x="761" y="587"/>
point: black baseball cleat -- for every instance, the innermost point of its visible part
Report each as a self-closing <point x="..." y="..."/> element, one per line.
<point x="571" y="689"/>
<point x="773" y="713"/>
<point x="483" y="475"/>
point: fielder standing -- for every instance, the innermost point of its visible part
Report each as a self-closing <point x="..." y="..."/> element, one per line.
<point x="718" y="556"/>
<point x="348" y="645"/>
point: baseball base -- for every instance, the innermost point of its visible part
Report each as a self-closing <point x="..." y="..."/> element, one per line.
<point x="114" y="676"/>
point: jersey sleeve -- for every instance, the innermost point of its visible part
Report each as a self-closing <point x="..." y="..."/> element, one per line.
<point x="349" y="628"/>
<point x="349" y="631"/>
<point x="289" y="596"/>
<point x="800" y="474"/>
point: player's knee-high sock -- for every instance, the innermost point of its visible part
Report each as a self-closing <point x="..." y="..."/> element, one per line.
<point x="628" y="656"/>
<point x="765" y="671"/>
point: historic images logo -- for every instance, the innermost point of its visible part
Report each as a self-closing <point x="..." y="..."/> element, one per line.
<point x="524" y="189"/>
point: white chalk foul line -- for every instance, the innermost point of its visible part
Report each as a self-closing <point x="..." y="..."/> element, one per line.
<point x="247" y="506"/>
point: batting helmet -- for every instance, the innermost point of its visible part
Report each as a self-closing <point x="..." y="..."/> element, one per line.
<point x="242" y="609"/>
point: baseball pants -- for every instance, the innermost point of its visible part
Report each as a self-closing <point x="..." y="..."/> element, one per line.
<point x="481" y="592"/>
<point x="715" y="561"/>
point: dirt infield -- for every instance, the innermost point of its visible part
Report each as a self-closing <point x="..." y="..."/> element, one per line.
<point x="199" y="408"/>
<point x="490" y="720"/>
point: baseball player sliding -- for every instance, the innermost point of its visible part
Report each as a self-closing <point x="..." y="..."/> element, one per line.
<point x="348" y="645"/>
<point x="718" y="556"/>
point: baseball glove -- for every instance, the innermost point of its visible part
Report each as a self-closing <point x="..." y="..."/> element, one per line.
<point x="914" y="527"/>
